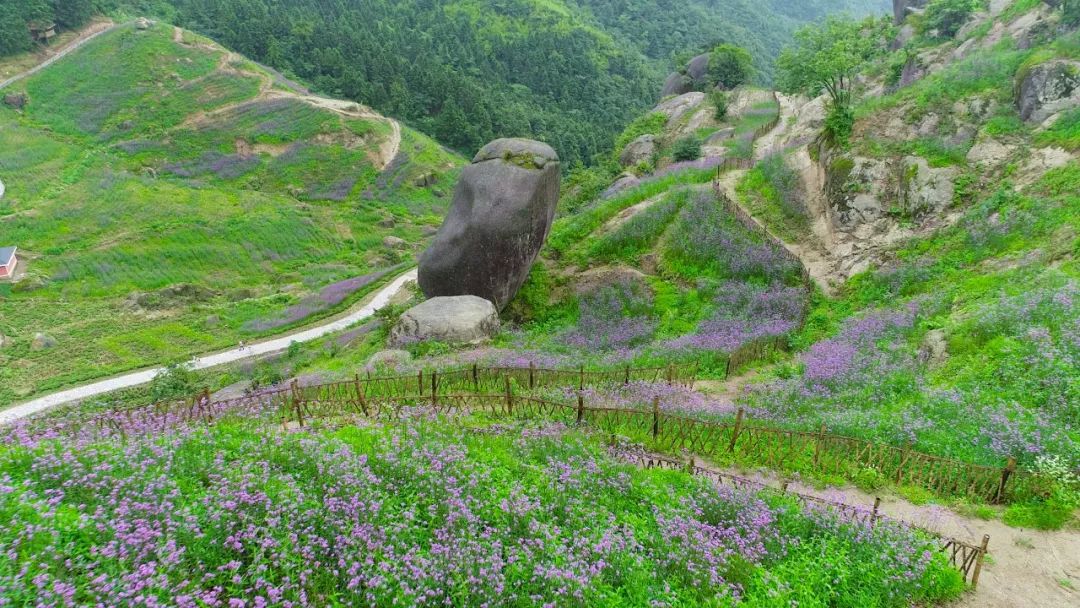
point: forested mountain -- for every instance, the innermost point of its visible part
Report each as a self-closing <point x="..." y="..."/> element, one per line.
<point x="572" y="72"/>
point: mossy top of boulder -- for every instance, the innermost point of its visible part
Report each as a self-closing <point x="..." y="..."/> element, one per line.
<point x="525" y="153"/>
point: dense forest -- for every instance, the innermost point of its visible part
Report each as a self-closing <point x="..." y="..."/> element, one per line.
<point x="571" y="72"/>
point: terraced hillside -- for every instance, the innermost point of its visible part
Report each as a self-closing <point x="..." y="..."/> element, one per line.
<point x="169" y="197"/>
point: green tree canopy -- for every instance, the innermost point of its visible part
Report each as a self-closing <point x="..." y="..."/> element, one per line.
<point x="730" y="66"/>
<point x="825" y="57"/>
<point x="944" y="18"/>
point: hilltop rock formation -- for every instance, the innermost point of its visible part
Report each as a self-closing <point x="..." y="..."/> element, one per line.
<point x="677" y="83"/>
<point x="641" y="149"/>
<point x="1047" y="89"/>
<point x="501" y="214"/>
<point x="454" y="320"/>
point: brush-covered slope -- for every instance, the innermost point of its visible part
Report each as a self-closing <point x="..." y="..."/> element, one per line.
<point x="169" y="197"/>
<point x="570" y="72"/>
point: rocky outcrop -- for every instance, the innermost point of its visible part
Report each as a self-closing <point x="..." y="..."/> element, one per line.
<point x="624" y="182"/>
<point x="639" y="150"/>
<point x="453" y="320"/>
<point x="677" y="107"/>
<point x="694" y="77"/>
<point x="501" y="214"/>
<point x="698" y="69"/>
<point x="927" y="189"/>
<point x="903" y="8"/>
<point x="1047" y="89"/>
<point x="989" y="153"/>
<point x="16" y="101"/>
<point x="859" y="190"/>
<point x="393" y="242"/>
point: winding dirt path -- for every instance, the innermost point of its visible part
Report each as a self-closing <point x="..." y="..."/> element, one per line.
<point x="91" y="32"/>
<point x="275" y="345"/>
<point x="1026" y="569"/>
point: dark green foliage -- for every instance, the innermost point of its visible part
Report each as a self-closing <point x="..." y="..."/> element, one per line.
<point x="839" y="123"/>
<point x="730" y="66"/>
<point x="785" y="183"/>
<point x="944" y="18"/>
<point x="687" y="148"/>
<point x="14" y="36"/>
<point x="1070" y="10"/>
<point x="174" y="382"/>
<point x="71" y="14"/>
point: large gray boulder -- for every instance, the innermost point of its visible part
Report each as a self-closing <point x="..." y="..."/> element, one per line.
<point x="501" y="214"/>
<point x="698" y="69"/>
<point x="676" y="84"/>
<point x="623" y="182"/>
<point x="641" y="149"/>
<point x="677" y="107"/>
<point x="454" y="320"/>
<point x="1047" y="89"/>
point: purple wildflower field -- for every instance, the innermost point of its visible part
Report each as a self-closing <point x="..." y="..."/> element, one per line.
<point x="327" y="297"/>
<point x="1013" y="393"/>
<point x="419" y="514"/>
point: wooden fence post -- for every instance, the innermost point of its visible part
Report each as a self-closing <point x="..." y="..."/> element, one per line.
<point x="691" y="466"/>
<point x="671" y="374"/>
<point x="296" y="402"/>
<point x="532" y="375"/>
<point x="509" y="394"/>
<point x="360" y="390"/>
<point x="784" y="486"/>
<point x="1007" y="472"/>
<point x="817" y="444"/>
<point x="434" y="388"/>
<point x="581" y="378"/>
<point x="420" y="382"/>
<point x="655" y="417"/>
<point x="580" y="407"/>
<point x="979" y="561"/>
<point x="905" y="455"/>
<point x="475" y="378"/>
<point x="627" y="379"/>
<point x="736" y="430"/>
<point x="874" y="513"/>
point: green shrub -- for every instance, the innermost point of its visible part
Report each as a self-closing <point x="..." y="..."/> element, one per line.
<point x="869" y="480"/>
<point x="730" y="66"/>
<point x="687" y="148"/>
<point x="1070" y="10"/>
<point x="719" y="100"/>
<point x="649" y="124"/>
<point x="944" y="18"/>
<point x="176" y="381"/>
<point x="839" y="124"/>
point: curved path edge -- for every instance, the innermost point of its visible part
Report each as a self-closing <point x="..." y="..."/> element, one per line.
<point x="92" y="32"/>
<point x="380" y="299"/>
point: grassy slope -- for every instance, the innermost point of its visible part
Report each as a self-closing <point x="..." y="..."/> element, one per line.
<point x="121" y="181"/>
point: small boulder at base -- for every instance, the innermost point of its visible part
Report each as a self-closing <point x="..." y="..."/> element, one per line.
<point x="500" y="217"/>
<point x="388" y="359"/>
<point x="16" y="101"/>
<point x="393" y="242"/>
<point x="639" y="150"/>
<point x="42" y="342"/>
<point x="454" y="320"/>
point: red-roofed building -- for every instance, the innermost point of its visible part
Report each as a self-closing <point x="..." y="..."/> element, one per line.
<point x="8" y="262"/>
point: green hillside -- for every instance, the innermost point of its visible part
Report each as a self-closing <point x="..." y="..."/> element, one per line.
<point x="570" y="72"/>
<point x="169" y="197"/>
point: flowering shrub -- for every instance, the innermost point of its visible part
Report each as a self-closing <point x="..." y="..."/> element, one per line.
<point x="744" y="312"/>
<point x="419" y="515"/>
<point x="328" y="297"/>
<point x="613" y="318"/>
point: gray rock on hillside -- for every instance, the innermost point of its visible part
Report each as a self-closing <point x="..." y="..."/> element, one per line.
<point x="388" y="358"/>
<point x="698" y="69"/>
<point x="639" y="150"/>
<point x="903" y="8"/>
<point x="677" y="107"/>
<point x="454" y="320"/>
<point x="623" y="182"/>
<point x="676" y="84"/>
<point x="42" y="342"/>
<point x="1047" y="89"/>
<point x="500" y="217"/>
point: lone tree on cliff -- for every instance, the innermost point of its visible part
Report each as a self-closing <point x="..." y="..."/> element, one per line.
<point x="827" y="57"/>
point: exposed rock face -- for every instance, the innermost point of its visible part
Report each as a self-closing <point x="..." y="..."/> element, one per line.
<point x="596" y="279"/>
<point x="989" y="153"/>
<point x="858" y="190"/>
<point x="928" y="190"/>
<point x="502" y="212"/>
<point x="42" y="342"/>
<point x="454" y="320"/>
<point x="639" y="150"/>
<point x="677" y="107"/>
<point x="934" y="350"/>
<point x="1047" y="89"/>
<point x="913" y="72"/>
<point x="902" y="8"/>
<point x="676" y="84"/>
<point x="393" y="242"/>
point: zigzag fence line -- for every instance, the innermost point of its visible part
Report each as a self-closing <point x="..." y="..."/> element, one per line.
<point x="668" y="432"/>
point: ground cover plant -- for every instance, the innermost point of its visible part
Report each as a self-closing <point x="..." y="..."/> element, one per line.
<point x="423" y="513"/>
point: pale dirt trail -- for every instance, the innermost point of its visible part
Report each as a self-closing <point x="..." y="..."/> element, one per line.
<point x="91" y="32"/>
<point x="1026" y="569"/>
<point x="372" y="304"/>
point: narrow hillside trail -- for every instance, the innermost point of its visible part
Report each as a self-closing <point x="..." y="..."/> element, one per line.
<point x="371" y="304"/>
<point x="1025" y="569"/>
<point x="388" y="149"/>
<point x="92" y="31"/>
<point x="813" y="255"/>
